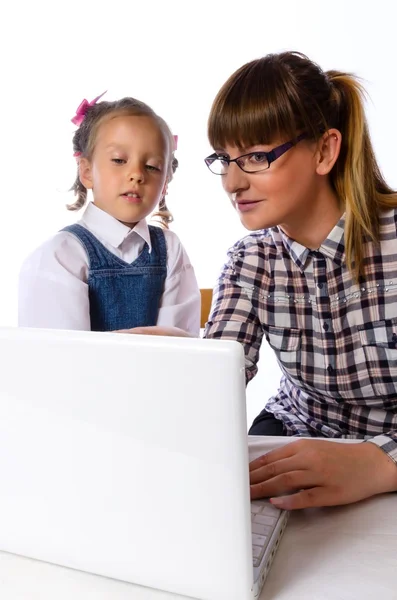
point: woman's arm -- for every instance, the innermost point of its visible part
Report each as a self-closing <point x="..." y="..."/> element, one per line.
<point x="233" y="316"/>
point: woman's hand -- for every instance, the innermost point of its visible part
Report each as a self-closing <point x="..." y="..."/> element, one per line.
<point x="155" y="330"/>
<point x="322" y="473"/>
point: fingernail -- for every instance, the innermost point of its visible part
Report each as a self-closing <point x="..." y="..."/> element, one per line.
<point x="276" y="501"/>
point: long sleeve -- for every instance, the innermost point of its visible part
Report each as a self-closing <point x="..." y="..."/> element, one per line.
<point x="52" y="290"/>
<point x="180" y="302"/>
<point x="232" y="314"/>
<point x="388" y="443"/>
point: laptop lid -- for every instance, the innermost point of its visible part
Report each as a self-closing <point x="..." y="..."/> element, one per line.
<point x="126" y="456"/>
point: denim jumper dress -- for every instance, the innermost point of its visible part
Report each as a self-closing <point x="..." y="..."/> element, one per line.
<point x="123" y="295"/>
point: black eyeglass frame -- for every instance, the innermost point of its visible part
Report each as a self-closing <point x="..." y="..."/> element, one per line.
<point x="270" y="156"/>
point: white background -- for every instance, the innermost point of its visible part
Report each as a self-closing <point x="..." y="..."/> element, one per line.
<point x="173" y="55"/>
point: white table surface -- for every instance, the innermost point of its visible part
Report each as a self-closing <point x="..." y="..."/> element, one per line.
<point x="342" y="553"/>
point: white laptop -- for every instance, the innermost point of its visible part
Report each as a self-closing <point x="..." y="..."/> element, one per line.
<point x="126" y="456"/>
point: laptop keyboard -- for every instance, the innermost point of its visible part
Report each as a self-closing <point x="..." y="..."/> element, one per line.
<point x="264" y="517"/>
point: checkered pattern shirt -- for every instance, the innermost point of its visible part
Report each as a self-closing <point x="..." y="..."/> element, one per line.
<point x="335" y="340"/>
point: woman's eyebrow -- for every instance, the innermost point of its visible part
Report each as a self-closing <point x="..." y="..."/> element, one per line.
<point x="220" y="151"/>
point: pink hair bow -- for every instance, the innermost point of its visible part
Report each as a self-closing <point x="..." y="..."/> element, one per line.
<point x="82" y="109"/>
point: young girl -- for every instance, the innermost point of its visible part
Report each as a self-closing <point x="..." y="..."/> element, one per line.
<point x="318" y="282"/>
<point x="113" y="271"/>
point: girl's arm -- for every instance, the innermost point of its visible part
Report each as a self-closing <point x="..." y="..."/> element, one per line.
<point x="52" y="291"/>
<point x="180" y="302"/>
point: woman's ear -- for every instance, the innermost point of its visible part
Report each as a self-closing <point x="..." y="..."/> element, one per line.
<point x="85" y="173"/>
<point x="328" y="150"/>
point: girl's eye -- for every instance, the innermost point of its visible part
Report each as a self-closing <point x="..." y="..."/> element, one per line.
<point x="118" y="161"/>
<point x="152" y="168"/>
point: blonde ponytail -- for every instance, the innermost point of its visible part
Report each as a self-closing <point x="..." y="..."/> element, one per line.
<point x="356" y="176"/>
<point x="163" y="214"/>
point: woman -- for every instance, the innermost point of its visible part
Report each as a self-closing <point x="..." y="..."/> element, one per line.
<point x="318" y="281"/>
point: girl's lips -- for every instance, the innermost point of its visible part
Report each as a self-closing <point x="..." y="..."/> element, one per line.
<point x="132" y="199"/>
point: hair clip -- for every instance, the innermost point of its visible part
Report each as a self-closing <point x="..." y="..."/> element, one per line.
<point x="82" y="109"/>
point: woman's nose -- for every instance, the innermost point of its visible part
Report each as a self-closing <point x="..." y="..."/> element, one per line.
<point x="235" y="179"/>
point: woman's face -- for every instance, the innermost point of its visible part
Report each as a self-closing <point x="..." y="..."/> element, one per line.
<point x="282" y="194"/>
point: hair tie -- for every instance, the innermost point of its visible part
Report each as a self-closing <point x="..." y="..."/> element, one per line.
<point x="82" y="109"/>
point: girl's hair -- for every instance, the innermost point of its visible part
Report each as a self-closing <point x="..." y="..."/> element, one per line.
<point x="84" y="143"/>
<point x="282" y="95"/>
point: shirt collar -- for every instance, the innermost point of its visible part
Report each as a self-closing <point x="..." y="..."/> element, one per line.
<point x="110" y="230"/>
<point x="333" y="246"/>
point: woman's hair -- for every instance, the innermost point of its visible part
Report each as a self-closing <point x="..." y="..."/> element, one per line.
<point x="282" y="95"/>
<point x="84" y="143"/>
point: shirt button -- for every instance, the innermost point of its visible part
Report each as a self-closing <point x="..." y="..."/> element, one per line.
<point x="330" y="369"/>
<point x="325" y="326"/>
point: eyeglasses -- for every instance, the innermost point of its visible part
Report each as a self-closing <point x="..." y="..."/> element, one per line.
<point x="253" y="162"/>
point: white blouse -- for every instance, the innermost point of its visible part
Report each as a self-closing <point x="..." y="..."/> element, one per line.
<point x="53" y="290"/>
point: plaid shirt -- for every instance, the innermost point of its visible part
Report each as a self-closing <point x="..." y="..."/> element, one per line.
<point x="335" y="340"/>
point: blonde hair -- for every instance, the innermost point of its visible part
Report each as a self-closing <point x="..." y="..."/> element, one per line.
<point x="84" y="143"/>
<point x="283" y="95"/>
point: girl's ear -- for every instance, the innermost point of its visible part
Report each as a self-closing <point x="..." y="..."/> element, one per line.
<point x="85" y="173"/>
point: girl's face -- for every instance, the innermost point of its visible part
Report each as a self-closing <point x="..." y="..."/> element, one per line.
<point x="288" y="193"/>
<point x="128" y="169"/>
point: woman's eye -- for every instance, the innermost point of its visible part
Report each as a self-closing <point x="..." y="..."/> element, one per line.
<point x="224" y="160"/>
<point x="258" y="157"/>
